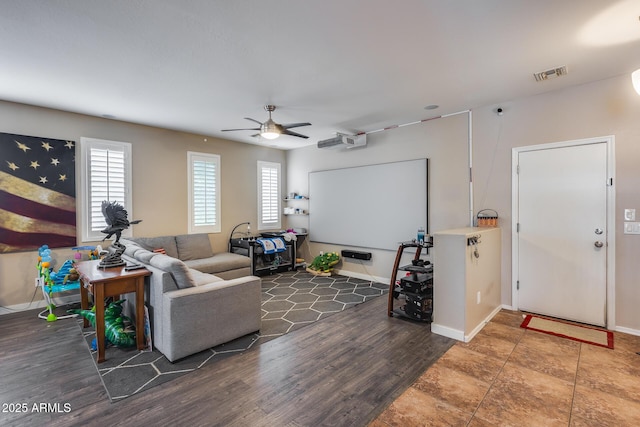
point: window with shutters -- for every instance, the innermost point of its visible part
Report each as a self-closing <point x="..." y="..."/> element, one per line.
<point x="268" y="195"/>
<point x="204" y="192"/>
<point x="106" y="172"/>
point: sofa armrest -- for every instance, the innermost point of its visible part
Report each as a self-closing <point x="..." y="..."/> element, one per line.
<point x="198" y="318"/>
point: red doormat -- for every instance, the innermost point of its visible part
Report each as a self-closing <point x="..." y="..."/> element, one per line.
<point x="572" y="331"/>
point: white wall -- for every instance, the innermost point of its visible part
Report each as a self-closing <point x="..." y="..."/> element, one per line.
<point x="443" y="141"/>
<point x="608" y="107"/>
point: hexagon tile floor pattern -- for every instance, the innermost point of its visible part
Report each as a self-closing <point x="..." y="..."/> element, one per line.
<point x="294" y="299"/>
<point x="290" y="300"/>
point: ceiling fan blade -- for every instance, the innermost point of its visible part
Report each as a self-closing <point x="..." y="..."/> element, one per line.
<point x="227" y="130"/>
<point x="295" y="125"/>
<point x="253" y="120"/>
<point x="292" y="133"/>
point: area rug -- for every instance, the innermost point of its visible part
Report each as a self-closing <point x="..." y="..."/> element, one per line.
<point x="572" y="331"/>
<point x="290" y="301"/>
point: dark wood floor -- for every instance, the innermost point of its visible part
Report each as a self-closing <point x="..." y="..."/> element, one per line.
<point x="341" y="371"/>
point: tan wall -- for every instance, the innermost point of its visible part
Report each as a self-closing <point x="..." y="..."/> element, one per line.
<point x="159" y="181"/>
<point x="443" y="141"/>
<point x="608" y="107"/>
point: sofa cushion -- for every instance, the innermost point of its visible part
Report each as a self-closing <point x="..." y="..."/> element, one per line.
<point x="144" y="256"/>
<point x="200" y="278"/>
<point x="177" y="268"/>
<point x="130" y="247"/>
<point x="217" y="263"/>
<point x="193" y="246"/>
<point x="168" y="243"/>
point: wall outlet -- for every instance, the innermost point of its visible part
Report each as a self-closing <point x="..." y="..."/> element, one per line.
<point x="478" y="298"/>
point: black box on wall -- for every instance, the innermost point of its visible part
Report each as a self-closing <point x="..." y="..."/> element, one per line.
<point x="356" y="255"/>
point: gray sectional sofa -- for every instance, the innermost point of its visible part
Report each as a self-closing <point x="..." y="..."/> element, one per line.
<point x="196" y="299"/>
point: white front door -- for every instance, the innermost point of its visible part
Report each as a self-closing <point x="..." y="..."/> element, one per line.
<point x="562" y="232"/>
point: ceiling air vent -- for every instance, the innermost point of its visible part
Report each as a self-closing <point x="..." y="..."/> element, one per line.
<point x="549" y="74"/>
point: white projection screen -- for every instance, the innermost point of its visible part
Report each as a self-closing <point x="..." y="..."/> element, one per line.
<point x="374" y="206"/>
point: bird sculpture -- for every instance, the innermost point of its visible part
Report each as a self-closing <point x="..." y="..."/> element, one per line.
<point x="115" y="216"/>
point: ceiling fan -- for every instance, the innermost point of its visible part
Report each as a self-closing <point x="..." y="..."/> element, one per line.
<point x="271" y="129"/>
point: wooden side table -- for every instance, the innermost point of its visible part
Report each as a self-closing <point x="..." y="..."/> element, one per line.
<point x="111" y="282"/>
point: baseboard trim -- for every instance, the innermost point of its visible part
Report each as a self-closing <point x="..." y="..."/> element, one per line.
<point x="58" y="300"/>
<point x="459" y="335"/>
<point x="478" y="328"/>
<point x="627" y="330"/>
<point x="448" y="332"/>
<point x="362" y="276"/>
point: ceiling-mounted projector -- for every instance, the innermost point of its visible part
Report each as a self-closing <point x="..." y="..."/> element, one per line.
<point x="344" y="141"/>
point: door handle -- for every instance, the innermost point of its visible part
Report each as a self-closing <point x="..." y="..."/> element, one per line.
<point x="598" y="244"/>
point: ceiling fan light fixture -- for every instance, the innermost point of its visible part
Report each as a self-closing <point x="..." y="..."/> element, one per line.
<point x="269" y="130"/>
<point x="635" y="79"/>
<point x="269" y="135"/>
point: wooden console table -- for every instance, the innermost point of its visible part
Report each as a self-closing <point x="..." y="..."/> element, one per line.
<point x="111" y="282"/>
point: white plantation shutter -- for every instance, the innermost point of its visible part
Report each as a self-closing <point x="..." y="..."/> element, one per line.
<point x="268" y="195"/>
<point x="106" y="171"/>
<point x="204" y="192"/>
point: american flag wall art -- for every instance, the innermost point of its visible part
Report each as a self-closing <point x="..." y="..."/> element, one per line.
<point x="37" y="193"/>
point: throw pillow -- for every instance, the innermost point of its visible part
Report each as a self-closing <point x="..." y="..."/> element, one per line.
<point x="193" y="246"/>
<point x="168" y="243"/>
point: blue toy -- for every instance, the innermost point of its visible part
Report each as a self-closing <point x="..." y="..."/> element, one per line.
<point x="51" y="282"/>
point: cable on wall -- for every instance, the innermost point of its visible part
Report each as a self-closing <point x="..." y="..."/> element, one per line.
<point x="469" y="143"/>
<point x="499" y="113"/>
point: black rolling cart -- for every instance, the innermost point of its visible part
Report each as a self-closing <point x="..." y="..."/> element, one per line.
<point x="264" y="263"/>
<point x="414" y="292"/>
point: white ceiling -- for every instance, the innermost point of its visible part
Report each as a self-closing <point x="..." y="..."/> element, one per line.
<point x="344" y="65"/>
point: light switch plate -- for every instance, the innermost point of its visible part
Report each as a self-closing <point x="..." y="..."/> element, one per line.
<point x="629" y="214"/>
<point x="632" y="228"/>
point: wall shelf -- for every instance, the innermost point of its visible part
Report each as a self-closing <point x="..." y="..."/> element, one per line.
<point x="289" y="211"/>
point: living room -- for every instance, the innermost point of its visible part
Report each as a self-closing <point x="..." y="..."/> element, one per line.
<point x="588" y="109"/>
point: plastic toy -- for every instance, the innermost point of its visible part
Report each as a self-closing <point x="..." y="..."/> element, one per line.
<point x="323" y="263"/>
<point x="92" y="252"/>
<point x="66" y="279"/>
<point x="115" y="331"/>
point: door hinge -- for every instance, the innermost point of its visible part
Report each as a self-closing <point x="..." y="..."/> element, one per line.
<point x="518" y="284"/>
<point x="517" y="169"/>
<point x="517" y="227"/>
<point x="610" y="182"/>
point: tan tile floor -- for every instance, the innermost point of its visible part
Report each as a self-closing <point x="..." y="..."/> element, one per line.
<point x="509" y="376"/>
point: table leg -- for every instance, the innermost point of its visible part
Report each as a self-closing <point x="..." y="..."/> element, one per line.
<point x="84" y="303"/>
<point x="140" y="313"/>
<point x="98" y="289"/>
